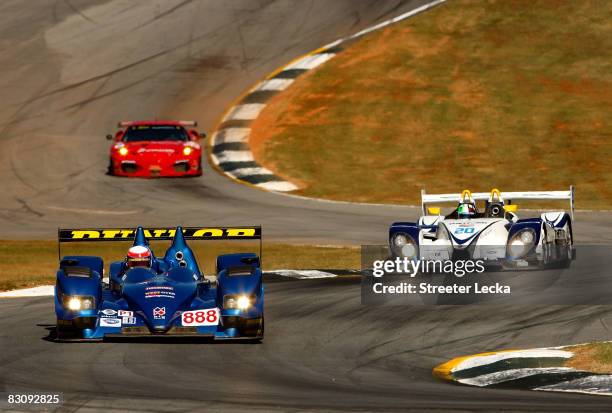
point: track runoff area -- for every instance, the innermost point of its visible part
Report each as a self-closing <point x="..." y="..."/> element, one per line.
<point x="494" y="259"/>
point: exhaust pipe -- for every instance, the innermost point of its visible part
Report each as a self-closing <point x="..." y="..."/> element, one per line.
<point x="179" y="255"/>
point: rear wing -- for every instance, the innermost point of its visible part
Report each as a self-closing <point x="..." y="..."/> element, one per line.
<point x="481" y="196"/>
<point x="187" y="123"/>
<point x="157" y="234"/>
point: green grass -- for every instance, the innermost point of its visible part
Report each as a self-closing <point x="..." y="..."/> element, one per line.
<point x="515" y="95"/>
<point x="31" y="263"/>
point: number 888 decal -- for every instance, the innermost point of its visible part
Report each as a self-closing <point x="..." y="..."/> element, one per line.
<point x="206" y="317"/>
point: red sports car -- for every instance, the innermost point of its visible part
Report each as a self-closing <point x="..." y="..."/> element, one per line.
<point x="149" y="149"/>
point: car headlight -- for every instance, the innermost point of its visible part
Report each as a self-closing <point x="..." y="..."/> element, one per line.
<point x="521" y="243"/>
<point x="238" y="302"/>
<point x="187" y="150"/>
<point x="78" y="302"/>
<point x="403" y="245"/>
<point x="123" y="151"/>
<point x="527" y="237"/>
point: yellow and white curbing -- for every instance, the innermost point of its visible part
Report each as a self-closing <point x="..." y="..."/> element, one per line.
<point x="541" y="369"/>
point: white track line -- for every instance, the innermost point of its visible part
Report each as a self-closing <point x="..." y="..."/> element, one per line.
<point x="311" y="61"/>
<point x="278" y="186"/>
<point x="42" y="291"/>
<point x="397" y="18"/>
<point x="303" y="274"/>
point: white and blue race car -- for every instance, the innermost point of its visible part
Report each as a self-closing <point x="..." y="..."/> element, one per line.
<point x="495" y="234"/>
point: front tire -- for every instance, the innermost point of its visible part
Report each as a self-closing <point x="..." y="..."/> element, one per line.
<point x="64" y="330"/>
<point x="199" y="173"/>
<point x="255" y="329"/>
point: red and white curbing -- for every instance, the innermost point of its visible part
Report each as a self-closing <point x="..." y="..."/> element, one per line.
<point x="230" y="151"/>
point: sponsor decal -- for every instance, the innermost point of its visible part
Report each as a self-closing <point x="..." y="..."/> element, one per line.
<point x="124" y="313"/>
<point x="159" y="291"/>
<point x="110" y="322"/>
<point x="206" y="317"/>
<point x="108" y="311"/>
<point x="129" y="320"/>
<point x="160" y="233"/>
<point x="159" y="313"/>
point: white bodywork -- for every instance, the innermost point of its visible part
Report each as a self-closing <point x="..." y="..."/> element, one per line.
<point x="490" y="235"/>
<point x="483" y="237"/>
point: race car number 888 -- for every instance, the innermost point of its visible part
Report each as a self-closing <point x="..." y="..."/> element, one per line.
<point x="207" y="317"/>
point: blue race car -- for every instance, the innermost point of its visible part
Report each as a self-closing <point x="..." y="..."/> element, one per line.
<point x="169" y="296"/>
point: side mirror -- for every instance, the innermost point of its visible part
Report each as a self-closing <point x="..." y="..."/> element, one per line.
<point x="109" y="137"/>
<point x="194" y="135"/>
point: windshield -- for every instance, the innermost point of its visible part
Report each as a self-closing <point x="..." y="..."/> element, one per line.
<point x="155" y="133"/>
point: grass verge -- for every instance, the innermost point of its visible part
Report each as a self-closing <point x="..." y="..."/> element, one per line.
<point x="593" y="357"/>
<point x="508" y="94"/>
<point x="30" y="263"/>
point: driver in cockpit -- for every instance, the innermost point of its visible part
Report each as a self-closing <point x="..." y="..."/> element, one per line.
<point x="466" y="209"/>
<point x="139" y="256"/>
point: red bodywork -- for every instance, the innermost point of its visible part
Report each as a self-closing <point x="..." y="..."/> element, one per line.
<point x="154" y="158"/>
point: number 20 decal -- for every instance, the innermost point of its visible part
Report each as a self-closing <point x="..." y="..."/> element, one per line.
<point x="207" y="317"/>
<point x="465" y="230"/>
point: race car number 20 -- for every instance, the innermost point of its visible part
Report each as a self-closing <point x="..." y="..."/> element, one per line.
<point x="207" y="317"/>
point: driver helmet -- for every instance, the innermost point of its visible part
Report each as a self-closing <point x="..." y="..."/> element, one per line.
<point x="466" y="210"/>
<point x="138" y="256"/>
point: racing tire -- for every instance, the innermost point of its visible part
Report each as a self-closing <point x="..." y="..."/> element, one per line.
<point x="199" y="173"/>
<point x="111" y="168"/>
<point x="257" y="330"/>
<point x="64" y="331"/>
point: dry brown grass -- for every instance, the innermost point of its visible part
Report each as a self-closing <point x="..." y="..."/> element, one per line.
<point x="593" y="357"/>
<point x="515" y="95"/>
<point x="31" y="263"/>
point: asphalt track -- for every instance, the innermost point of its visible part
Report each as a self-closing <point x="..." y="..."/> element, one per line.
<point x="69" y="71"/>
<point x="323" y="351"/>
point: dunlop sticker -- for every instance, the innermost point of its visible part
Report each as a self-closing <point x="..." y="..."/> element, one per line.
<point x="118" y="234"/>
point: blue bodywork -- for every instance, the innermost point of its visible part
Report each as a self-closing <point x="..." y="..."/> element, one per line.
<point x="172" y="298"/>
